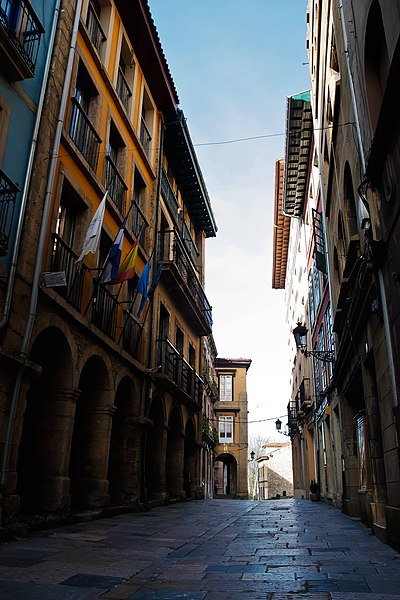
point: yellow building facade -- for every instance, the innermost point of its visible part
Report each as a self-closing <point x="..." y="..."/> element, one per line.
<point x="231" y="414"/>
<point x="103" y="403"/>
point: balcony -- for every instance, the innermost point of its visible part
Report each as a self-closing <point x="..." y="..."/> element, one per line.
<point x="123" y="90"/>
<point x="84" y="135"/>
<point x="145" y="137"/>
<point x="20" y="34"/>
<point x="104" y="310"/>
<point x="64" y="259"/>
<point x="8" y="193"/>
<point x="131" y="334"/>
<point x="169" y="196"/>
<point x="138" y="223"/>
<point x="178" y="375"/>
<point x="94" y="28"/>
<point x="181" y="279"/>
<point x="115" y="185"/>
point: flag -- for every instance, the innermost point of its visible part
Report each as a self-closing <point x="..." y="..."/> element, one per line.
<point x="127" y="267"/>
<point x="111" y="265"/>
<point x="92" y="237"/>
<point x="141" y="287"/>
<point x="156" y="278"/>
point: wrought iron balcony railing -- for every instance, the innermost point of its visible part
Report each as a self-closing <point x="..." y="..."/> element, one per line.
<point x="104" y="310"/>
<point x="175" y="258"/>
<point x="145" y="137"/>
<point x="123" y="89"/>
<point x="131" y="334"/>
<point x="94" y="28"/>
<point x="84" y="135"/>
<point x="169" y="195"/>
<point x="21" y="32"/>
<point x="138" y="223"/>
<point x="190" y="244"/>
<point x="115" y="185"/>
<point x="64" y="259"/>
<point x="179" y="371"/>
<point x="8" y="193"/>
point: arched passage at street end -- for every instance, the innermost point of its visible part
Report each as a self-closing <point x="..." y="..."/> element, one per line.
<point x="226" y="474"/>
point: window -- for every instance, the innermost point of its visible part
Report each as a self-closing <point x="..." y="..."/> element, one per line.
<point x="225" y="387"/>
<point x="225" y="428"/>
<point x="82" y="131"/>
<point x="179" y="338"/>
<point x="94" y="18"/>
<point x="146" y="124"/>
<point x="63" y="257"/>
<point x="138" y="210"/>
<point x="125" y="75"/>
<point x="114" y="181"/>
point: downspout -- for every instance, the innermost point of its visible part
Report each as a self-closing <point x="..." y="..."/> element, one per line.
<point x="363" y="164"/>
<point x="41" y="246"/>
<point x="13" y="267"/>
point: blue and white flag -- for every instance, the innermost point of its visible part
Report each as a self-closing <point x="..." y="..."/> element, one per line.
<point x="142" y="286"/>
<point x="111" y="265"/>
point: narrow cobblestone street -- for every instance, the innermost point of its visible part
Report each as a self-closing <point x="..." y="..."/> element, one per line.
<point x="211" y="549"/>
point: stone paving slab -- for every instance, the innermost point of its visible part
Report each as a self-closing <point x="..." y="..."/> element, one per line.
<point x="205" y="550"/>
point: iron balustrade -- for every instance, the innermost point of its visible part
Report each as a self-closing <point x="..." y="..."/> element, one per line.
<point x="8" y="193"/>
<point x="115" y="185"/>
<point x="131" y="334"/>
<point x="138" y="223"/>
<point x="64" y="259"/>
<point x="172" y="251"/>
<point x="84" y="135"/>
<point x="23" y="28"/>
<point x="123" y="90"/>
<point x="104" y="310"/>
<point x="94" y="28"/>
<point x="178" y="370"/>
<point x="169" y="195"/>
<point x="145" y="137"/>
<point x="190" y="244"/>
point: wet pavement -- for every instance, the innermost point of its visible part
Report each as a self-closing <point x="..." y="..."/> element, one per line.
<point x="205" y="549"/>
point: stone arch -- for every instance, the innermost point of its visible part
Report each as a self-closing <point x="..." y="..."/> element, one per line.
<point x="174" y="455"/>
<point x="226" y="474"/>
<point x="125" y="444"/>
<point x="190" y="459"/>
<point x="156" y="451"/>
<point x="42" y="466"/>
<point x="91" y="436"/>
<point x="376" y="61"/>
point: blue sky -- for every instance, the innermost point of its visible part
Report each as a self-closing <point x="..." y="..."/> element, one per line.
<point x="234" y="62"/>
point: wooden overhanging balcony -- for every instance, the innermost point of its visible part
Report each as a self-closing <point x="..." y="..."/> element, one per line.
<point x="103" y="309"/>
<point x="8" y="193"/>
<point x="20" y="34"/>
<point x="182" y="280"/>
<point x="177" y="375"/>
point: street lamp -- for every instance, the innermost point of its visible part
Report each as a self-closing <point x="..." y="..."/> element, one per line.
<point x="278" y="425"/>
<point x="252" y="455"/>
<point x="300" y="336"/>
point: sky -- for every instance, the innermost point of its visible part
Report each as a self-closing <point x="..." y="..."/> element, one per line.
<point x="234" y="62"/>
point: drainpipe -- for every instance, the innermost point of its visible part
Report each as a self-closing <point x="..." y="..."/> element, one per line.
<point x="363" y="164"/>
<point x="13" y="267"/>
<point x="41" y="246"/>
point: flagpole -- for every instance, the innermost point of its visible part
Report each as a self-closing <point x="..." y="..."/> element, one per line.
<point x="102" y="269"/>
